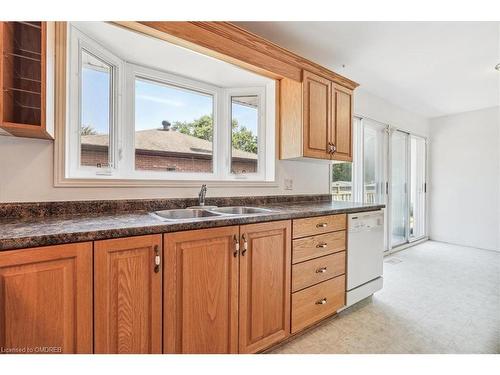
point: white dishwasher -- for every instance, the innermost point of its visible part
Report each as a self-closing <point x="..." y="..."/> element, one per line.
<point x="365" y="255"/>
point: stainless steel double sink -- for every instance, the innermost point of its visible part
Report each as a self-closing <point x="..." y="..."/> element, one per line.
<point x="199" y="213"/>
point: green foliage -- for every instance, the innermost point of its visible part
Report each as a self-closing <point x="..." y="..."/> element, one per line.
<point x="199" y="128"/>
<point x="88" y="130"/>
<point x="243" y="138"/>
<point x="341" y="172"/>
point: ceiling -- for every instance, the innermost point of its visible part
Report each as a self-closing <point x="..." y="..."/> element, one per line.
<point x="155" y="53"/>
<point x="429" y="68"/>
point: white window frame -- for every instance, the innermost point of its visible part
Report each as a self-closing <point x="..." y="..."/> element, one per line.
<point x="78" y="42"/>
<point x="260" y="92"/>
<point x="181" y="83"/>
<point x="122" y="130"/>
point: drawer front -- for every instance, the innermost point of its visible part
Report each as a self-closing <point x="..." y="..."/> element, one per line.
<point x="317" y="270"/>
<point x="317" y="246"/>
<point x="318" y="225"/>
<point x="316" y="302"/>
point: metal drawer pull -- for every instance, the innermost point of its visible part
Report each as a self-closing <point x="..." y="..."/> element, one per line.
<point x="157" y="259"/>
<point x="321" y="225"/>
<point x="321" y="245"/>
<point x="245" y="245"/>
<point x="236" y="246"/>
<point x="321" y="301"/>
<point x="321" y="270"/>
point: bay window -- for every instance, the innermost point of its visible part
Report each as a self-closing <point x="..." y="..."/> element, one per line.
<point x="129" y="121"/>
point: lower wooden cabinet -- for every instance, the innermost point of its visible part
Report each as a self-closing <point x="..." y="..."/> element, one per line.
<point x="46" y="299"/>
<point x="201" y="291"/>
<point x="227" y="290"/>
<point x="128" y="295"/>
<point x="317" y="302"/>
<point x="265" y="265"/>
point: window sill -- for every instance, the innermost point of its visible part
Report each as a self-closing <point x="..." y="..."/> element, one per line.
<point x="92" y="182"/>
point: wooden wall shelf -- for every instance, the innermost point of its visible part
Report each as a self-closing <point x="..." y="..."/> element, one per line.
<point x="26" y="53"/>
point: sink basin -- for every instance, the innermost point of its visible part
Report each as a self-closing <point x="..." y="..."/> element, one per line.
<point x="240" y="210"/>
<point x="185" y="213"/>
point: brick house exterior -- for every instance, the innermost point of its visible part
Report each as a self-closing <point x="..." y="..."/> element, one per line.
<point x="166" y="150"/>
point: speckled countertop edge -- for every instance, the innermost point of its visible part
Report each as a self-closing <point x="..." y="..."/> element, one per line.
<point x="35" y="232"/>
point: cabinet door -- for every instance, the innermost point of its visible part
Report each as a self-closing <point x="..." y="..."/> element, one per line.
<point x="201" y="291"/>
<point x="127" y="292"/>
<point x="317" y="116"/>
<point x="264" y="285"/>
<point x="46" y="299"/>
<point x="342" y="123"/>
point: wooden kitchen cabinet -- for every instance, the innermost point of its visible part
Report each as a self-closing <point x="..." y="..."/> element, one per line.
<point x="315" y="119"/>
<point x="128" y="295"/>
<point x="46" y="299"/>
<point x="341" y="127"/>
<point x="201" y="291"/>
<point x="27" y="78"/>
<point x="265" y="266"/>
<point x="317" y="116"/>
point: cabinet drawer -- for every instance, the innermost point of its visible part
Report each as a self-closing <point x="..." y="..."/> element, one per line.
<point x="312" y="304"/>
<point x="317" y="246"/>
<point x="317" y="270"/>
<point x="318" y="225"/>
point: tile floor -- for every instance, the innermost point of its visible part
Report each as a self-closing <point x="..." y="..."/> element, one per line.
<point x="437" y="298"/>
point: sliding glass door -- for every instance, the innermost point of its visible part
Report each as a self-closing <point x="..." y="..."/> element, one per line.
<point x="417" y="188"/>
<point x="374" y="161"/>
<point x="388" y="167"/>
<point x="408" y="188"/>
<point x="399" y="188"/>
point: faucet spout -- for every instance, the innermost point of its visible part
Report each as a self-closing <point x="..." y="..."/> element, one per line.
<point x="202" y="194"/>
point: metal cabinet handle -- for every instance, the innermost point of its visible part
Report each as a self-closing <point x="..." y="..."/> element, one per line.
<point x="331" y="148"/>
<point x="321" y="301"/>
<point x="157" y="259"/>
<point x="322" y="245"/>
<point x="321" y="270"/>
<point x="321" y="225"/>
<point x="245" y="245"/>
<point x="236" y="246"/>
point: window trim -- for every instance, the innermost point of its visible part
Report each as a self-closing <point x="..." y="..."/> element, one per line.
<point x="78" y="42"/>
<point x="137" y="71"/>
<point x="123" y="172"/>
<point x="260" y="92"/>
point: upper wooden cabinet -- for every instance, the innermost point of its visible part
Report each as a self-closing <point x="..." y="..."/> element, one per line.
<point x="46" y="299"/>
<point x="265" y="266"/>
<point x="201" y="291"/>
<point x="315" y="119"/>
<point x="317" y="116"/>
<point x="128" y="295"/>
<point x="341" y="127"/>
<point x="27" y="78"/>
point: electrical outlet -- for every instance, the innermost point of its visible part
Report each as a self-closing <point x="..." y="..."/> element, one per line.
<point x="288" y="184"/>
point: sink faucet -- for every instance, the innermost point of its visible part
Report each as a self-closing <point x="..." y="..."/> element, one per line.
<point x="201" y="195"/>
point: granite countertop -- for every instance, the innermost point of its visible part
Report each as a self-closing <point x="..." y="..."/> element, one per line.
<point x="17" y="233"/>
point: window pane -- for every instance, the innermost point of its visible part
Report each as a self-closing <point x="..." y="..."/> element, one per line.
<point x="342" y="181"/>
<point x="373" y="163"/>
<point x="173" y="128"/>
<point x="95" y="120"/>
<point x="244" y="134"/>
<point x="399" y="177"/>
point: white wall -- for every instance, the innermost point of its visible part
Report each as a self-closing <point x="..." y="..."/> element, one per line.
<point x="26" y="167"/>
<point x="376" y="108"/>
<point x="26" y="174"/>
<point x="465" y="179"/>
